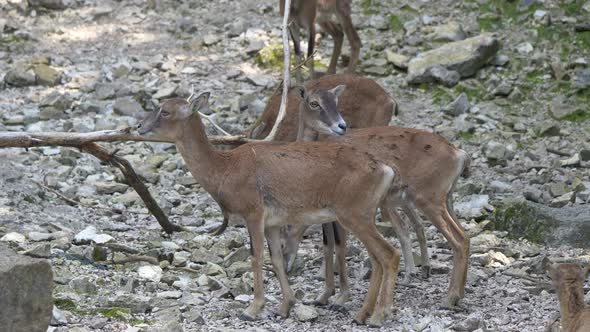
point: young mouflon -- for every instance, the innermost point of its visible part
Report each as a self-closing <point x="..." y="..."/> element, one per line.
<point x="429" y="166"/>
<point x="271" y="185"/>
<point x="568" y="280"/>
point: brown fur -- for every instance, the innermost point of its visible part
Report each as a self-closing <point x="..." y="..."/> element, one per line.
<point x="364" y="103"/>
<point x="270" y="185"/>
<point x="569" y="280"/>
<point x="429" y="166"/>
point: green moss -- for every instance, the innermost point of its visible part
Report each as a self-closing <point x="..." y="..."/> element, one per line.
<point x="271" y="56"/>
<point x="500" y="13"/>
<point x="578" y="116"/>
<point x="65" y="304"/>
<point x="571" y="8"/>
<point x="473" y="91"/>
<point x="521" y="221"/>
<point x="208" y="215"/>
<point x="99" y="254"/>
<point x="395" y="23"/>
<point x="466" y="135"/>
<point x="122" y="314"/>
<point x="11" y="39"/>
<point x="370" y="7"/>
<point x="441" y="96"/>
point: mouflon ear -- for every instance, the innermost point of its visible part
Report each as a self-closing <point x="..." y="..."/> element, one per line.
<point x="201" y="102"/>
<point x="549" y="266"/>
<point x="338" y="90"/>
<point x="302" y="91"/>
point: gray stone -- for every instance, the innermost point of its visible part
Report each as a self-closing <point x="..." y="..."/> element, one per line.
<point x="555" y="227"/>
<point x="485" y="240"/>
<point x="136" y="303"/>
<point x="500" y="60"/>
<point x="212" y="269"/>
<point x="585" y="154"/>
<point x="211" y="39"/>
<point x="444" y="76"/>
<point x="239" y="255"/>
<point x="104" y="91"/>
<point x="563" y="200"/>
<point x="175" y="295"/>
<point x="127" y="106"/>
<point x="305" y="313"/>
<point x="465" y="57"/>
<point x="83" y="285"/>
<point x="128" y="199"/>
<point x="56" y="100"/>
<point x="503" y="89"/>
<point x="46" y="75"/>
<point x="38" y="236"/>
<point x="495" y="151"/>
<point x="458" y="106"/>
<point x="471" y="323"/>
<point x="26" y="286"/>
<point x="377" y="70"/>
<point x="165" y="91"/>
<point x="573" y="161"/>
<point x="561" y="108"/>
<point x="398" y="60"/>
<point x="40" y="251"/>
<point x="238" y="268"/>
<point x="109" y="187"/>
<point x="582" y="79"/>
<point x="260" y="80"/>
<point x="547" y="129"/>
<point x="20" y="76"/>
<point x="450" y="32"/>
<point x="58" y="318"/>
<point x="203" y="256"/>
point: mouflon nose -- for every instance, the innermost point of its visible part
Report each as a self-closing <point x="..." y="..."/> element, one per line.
<point x="342" y="125"/>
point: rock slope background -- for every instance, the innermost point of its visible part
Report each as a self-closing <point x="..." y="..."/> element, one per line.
<point x="520" y="106"/>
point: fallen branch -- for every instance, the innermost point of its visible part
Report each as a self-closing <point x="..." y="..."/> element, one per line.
<point x="286" y="72"/>
<point x="133" y="179"/>
<point x="19" y="139"/>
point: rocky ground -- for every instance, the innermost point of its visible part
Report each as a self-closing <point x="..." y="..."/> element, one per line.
<point x="85" y="65"/>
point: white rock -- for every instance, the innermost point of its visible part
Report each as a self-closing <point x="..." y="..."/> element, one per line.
<point x="13" y="237"/>
<point x="244" y="298"/>
<point x="305" y="313"/>
<point x="150" y="272"/>
<point x="89" y="234"/>
<point x="473" y="206"/>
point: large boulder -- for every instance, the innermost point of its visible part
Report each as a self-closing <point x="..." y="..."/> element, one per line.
<point x="464" y="57"/>
<point x="25" y="292"/>
<point x="543" y="224"/>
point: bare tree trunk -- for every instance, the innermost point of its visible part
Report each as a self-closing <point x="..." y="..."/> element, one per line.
<point x="286" y="72"/>
<point x="135" y="182"/>
<point x="33" y="139"/>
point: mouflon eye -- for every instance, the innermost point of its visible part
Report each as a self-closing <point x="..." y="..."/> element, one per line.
<point x="165" y="114"/>
<point x="314" y="104"/>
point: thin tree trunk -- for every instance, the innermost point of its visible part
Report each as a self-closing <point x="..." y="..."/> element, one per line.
<point x="286" y="73"/>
